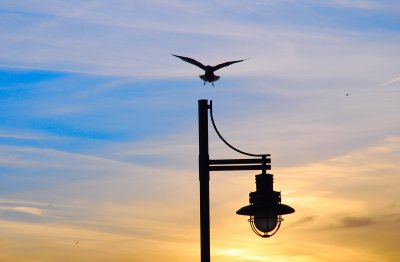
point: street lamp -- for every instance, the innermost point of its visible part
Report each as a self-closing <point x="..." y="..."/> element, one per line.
<point x="265" y="207"/>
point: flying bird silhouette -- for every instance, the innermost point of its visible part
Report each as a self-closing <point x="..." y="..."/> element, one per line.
<point x="209" y="75"/>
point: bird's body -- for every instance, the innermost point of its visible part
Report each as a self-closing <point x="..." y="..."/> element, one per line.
<point x="209" y="75"/>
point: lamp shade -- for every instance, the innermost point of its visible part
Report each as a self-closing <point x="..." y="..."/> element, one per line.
<point x="253" y="209"/>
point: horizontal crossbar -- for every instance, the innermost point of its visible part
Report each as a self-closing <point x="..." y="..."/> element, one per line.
<point x="239" y="167"/>
<point x="238" y="161"/>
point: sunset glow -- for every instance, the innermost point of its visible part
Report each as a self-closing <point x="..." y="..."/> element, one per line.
<point x="98" y="128"/>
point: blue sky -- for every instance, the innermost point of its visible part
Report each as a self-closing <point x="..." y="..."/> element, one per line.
<point x="97" y="118"/>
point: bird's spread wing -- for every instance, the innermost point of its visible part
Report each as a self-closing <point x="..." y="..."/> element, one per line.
<point x="227" y="64"/>
<point x="191" y="61"/>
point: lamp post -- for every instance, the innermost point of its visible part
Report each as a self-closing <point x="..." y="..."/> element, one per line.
<point x="265" y="207"/>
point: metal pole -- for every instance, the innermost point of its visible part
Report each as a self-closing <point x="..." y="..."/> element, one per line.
<point x="204" y="177"/>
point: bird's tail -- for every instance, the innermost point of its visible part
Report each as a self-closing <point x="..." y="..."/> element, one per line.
<point x="206" y="79"/>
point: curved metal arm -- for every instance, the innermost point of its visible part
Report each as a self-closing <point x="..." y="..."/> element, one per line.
<point x="229" y="145"/>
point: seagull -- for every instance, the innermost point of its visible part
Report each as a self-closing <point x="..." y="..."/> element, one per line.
<point x="347" y="94"/>
<point x="208" y="70"/>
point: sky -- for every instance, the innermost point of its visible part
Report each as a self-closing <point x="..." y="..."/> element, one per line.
<point x="98" y="128"/>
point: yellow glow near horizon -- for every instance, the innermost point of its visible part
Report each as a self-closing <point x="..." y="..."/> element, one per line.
<point x="343" y="213"/>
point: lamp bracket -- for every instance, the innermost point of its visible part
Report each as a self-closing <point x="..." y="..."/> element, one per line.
<point x="226" y="142"/>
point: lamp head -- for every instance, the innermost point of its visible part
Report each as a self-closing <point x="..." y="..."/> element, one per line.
<point x="265" y="209"/>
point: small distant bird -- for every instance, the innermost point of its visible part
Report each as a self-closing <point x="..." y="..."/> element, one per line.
<point x="347" y="94"/>
<point x="208" y="70"/>
<point x="77" y="242"/>
<point x="50" y="205"/>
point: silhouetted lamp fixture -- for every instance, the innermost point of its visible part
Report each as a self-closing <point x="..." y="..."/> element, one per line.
<point x="265" y="209"/>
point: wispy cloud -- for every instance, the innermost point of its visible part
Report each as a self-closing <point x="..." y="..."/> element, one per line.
<point x="23" y="209"/>
<point x="302" y="222"/>
<point x="275" y="49"/>
<point x="350" y="222"/>
<point x="391" y="81"/>
<point x="20" y="135"/>
<point x="365" y="4"/>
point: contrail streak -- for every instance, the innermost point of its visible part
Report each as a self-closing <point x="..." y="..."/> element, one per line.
<point x="390" y="81"/>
